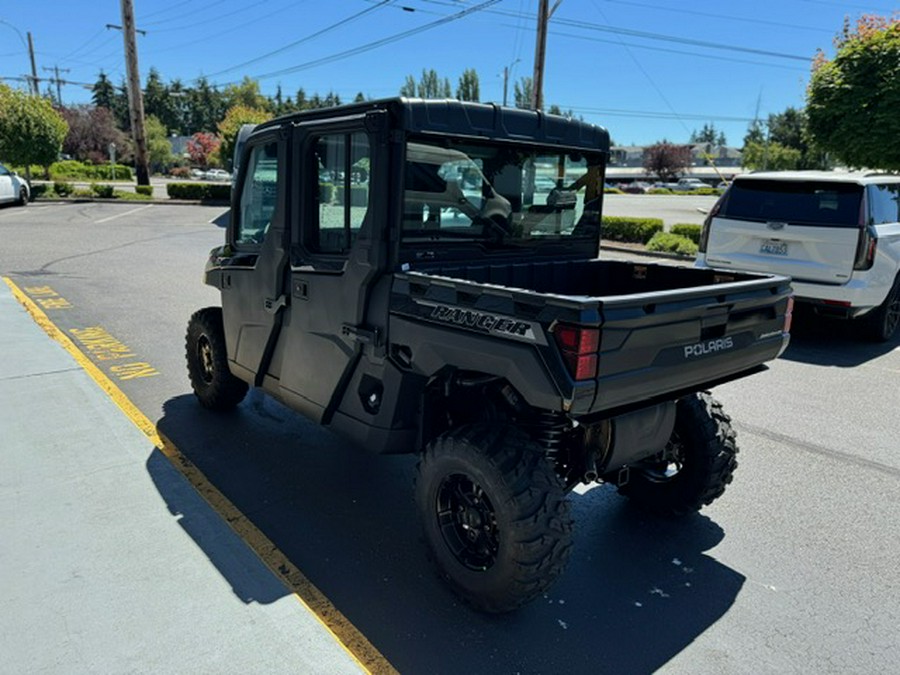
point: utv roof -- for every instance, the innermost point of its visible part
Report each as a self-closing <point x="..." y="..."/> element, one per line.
<point x="860" y="177"/>
<point x="462" y="119"/>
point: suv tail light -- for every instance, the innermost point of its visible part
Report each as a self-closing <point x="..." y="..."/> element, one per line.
<point x="865" y="249"/>
<point x="704" y="231"/>
<point x="868" y="241"/>
<point x="579" y="346"/>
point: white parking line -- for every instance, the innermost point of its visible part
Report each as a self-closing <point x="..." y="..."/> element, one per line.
<point x="126" y="213"/>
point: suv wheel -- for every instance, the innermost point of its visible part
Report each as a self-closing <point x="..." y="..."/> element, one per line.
<point x="207" y="362"/>
<point x="495" y="515"/>
<point x="695" y="466"/>
<point x="882" y="322"/>
<point x="23" y="197"/>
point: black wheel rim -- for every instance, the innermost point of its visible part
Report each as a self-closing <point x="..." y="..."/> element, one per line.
<point x="666" y="466"/>
<point x="205" y="359"/>
<point x="892" y="316"/>
<point x="468" y="522"/>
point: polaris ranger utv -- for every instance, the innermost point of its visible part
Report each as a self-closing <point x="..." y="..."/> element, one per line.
<point x="422" y="277"/>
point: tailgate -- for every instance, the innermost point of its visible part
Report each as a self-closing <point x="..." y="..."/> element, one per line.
<point x="806" y="229"/>
<point x="657" y="344"/>
<point x="804" y="252"/>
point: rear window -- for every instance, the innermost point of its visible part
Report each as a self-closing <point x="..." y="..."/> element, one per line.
<point x="824" y="204"/>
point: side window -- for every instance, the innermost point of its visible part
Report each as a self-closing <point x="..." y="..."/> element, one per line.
<point x="259" y="195"/>
<point x="343" y="164"/>
<point x="884" y="203"/>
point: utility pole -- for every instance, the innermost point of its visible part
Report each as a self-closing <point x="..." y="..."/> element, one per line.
<point x="56" y="70"/>
<point x="34" y="78"/>
<point x="540" y="52"/>
<point x="135" y="97"/>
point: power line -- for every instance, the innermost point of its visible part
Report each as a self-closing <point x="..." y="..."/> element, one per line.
<point x="374" y="45"/>
<point x="666" y="50"/>
<point x="312" y="36"/>
<point x="693" y="12"/>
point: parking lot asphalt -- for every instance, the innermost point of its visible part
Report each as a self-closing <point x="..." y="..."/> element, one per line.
<point x="89" y="559"/>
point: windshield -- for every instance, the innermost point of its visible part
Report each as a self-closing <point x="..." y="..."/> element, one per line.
<point x="499" y="196"/>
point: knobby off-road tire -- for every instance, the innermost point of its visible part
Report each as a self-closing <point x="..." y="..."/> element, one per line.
<point x="495" y="515"/>
<point x="696" y="465"/>
<point x="207" y="362"/>
<point x="882" y="322"/>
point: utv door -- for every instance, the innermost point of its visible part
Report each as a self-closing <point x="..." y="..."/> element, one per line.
<point x="332" y="265"/>
<point x="253" y="297"/>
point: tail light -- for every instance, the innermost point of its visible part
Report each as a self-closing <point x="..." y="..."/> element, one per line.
<point x="865" y="249"/>
<point x="707" y="222"/>
<point x="579" y="346"/>
<point x="868" y="242"/>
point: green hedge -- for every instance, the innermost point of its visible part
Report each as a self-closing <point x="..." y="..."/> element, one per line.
<point x="688" y="230"/>
<point x="199" y="191"/>
<point x="672" y="243"/>
<point x="634" y="230"/>
<point x="102" y="191"/>
<point x="144" y="190"/>
<point x="63" y="189"/>
<point x="74" y="170"/>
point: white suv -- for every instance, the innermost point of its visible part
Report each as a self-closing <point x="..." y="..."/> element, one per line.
<point x="836" y="234"/>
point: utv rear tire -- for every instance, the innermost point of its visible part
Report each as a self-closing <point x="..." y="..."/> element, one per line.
<point x="495" y="515"/>
<point x="207" y="362"/>
<point x="882" y="322"/>
<point x="696" y="465"/>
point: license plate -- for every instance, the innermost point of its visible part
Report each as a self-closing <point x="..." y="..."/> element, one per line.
<point x="774" y="247"/>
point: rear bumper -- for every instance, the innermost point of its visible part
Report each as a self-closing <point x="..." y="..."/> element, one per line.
<point x="865" y="291"/>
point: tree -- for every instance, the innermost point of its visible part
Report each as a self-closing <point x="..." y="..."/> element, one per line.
<point x="207" y="107"/>
<point x="852" y="100"/>
<point x="409" y="87"/>
<point x="468" y="89"/>
<point x="770" y="156"/>
<point x="245" y="94"/>
<point x="104" y="93"/>
<point x="158" y="146"/>
<point x="91" y="130"/>
<point x="523" y="93"/>
<point x="202" y="146"/>
<point x="708" y="135"/>
<point x="234" y="119"/>
<point x="31" y="131"/>
<point x="666" y="160"/>
<point x="430" y="85"/>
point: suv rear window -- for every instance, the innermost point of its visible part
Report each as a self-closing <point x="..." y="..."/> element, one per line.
<point x="822" y="203"/>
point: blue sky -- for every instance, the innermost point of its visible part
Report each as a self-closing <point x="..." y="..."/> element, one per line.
<point x="645" y="69"/>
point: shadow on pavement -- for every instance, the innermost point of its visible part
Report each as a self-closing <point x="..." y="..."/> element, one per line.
<point x="637" y="591"/>
<point x="250" y="580"/>
<point x="222" y="219"/>
<point x="824" y="341"/>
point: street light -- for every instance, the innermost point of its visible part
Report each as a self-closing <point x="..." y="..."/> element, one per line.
<point x="506" y="72"/>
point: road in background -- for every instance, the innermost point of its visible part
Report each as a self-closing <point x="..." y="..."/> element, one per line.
<point x="671" y="209"/>
<point x="792" y="570"/>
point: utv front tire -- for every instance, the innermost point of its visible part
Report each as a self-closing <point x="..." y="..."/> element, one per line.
<point x="696" y="465"/>
<point x="495" y="515"/>
<point x="207" y="362"/>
